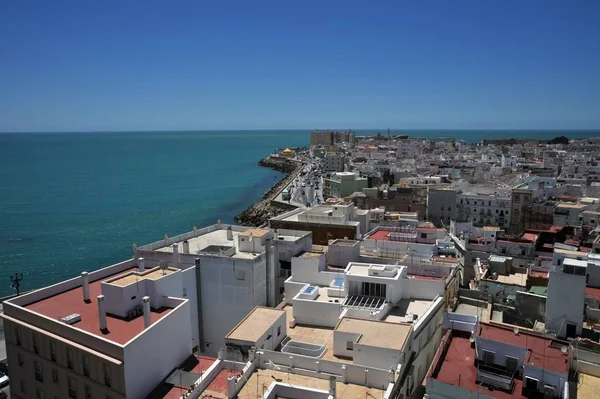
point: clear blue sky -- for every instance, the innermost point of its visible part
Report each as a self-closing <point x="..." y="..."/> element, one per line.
<point x="147" y="65"/>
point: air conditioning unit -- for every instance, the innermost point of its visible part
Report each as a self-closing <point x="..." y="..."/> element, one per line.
<point x="71" y="319"/>
<point x="132" y="313"/>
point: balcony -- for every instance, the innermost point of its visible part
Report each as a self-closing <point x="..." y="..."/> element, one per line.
<point x="495" y="377"/>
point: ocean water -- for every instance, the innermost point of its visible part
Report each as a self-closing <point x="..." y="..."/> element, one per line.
<point x="71" y="202"/>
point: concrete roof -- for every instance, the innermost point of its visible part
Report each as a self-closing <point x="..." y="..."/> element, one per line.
<point x="255" y="324"/>
<point x="376" y="333"/>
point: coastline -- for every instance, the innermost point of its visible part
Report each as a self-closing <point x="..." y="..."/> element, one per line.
<point x="259" y="213"/>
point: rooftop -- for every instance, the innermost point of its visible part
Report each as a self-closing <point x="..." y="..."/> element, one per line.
<point x="264" y="378"/>
<point x="310" y="255"/>
<point x="588" y="386"/>
<point x="66" y="303"/>
<point x="541" y="352"/>
<point x="135" y="276"/>
<point x="255" y="232"/>
<point x="406" y="309"/>
<point x="457" y="368"/>
<point x="377" y="333"/>
<point x="255" y="324"/>
<point x="193" y="364"/>
<point x="217" y="238"/>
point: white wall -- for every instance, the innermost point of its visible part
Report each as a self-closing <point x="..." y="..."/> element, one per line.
<point x="292" y="288"/>
<point x="340" y="338"/>
<point x="316" y="313"/>
<point x="378" y="357"/>
<point x="311" y="271"/>
<point x="340" y="255"/>
<point x="564" y="302"/>
<point x="153" y="354"/>
<point x="227" y="300"/>
<point x="545" y="376"/>
<point x="189" y="286"/>
<point x="270" y="339"/>
<point x="423" y="289"/>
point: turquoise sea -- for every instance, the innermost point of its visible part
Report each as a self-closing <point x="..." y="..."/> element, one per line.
<point x="71" y="202"/>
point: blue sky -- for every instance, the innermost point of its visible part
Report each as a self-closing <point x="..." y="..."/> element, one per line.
<point x="148" y="65"/>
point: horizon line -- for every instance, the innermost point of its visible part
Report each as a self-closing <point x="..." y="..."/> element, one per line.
<point x="383" y="130"/>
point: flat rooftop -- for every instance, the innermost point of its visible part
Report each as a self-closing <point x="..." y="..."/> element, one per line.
<point x="255" y="324"/>
<point x="134" y="277"/>
<point x="193" y="364"/>
<point x="214" y="238"/>
<point x="263" y="379"/>
<point x="71" y="301"/>
<point x="588" y="386"/>
<point x="513" y="278"/>
<point x="457" y="368"/>
<point x="405" y="309"/>
<point x="376" y="333"/>
<point x="314" y="335"/>
<point x="310" y="255"/>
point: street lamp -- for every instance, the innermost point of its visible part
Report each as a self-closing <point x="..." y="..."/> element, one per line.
<point x="16" y="281"/>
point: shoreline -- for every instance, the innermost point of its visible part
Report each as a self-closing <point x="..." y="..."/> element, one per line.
<point x="259" y="213"/>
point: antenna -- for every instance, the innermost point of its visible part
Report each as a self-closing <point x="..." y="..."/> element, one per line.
<point x="16" y="281"/>
<point x="163" y="266"/>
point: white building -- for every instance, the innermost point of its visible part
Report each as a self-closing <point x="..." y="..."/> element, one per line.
<point x="333" y="162"/>
<point x="566" y="293"/>
<point x="342" y="184"/>
<point x="238" y="269"/>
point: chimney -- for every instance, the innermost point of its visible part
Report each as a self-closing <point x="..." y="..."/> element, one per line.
<point x="230" y="387"/>
<point x="146" y="306"/>
<point x="332" y="386"/>
<point x="85" y="285"/>
<point x="186" y="247"/>
<point x="141" y="265"/>
<point x="176" y="255"/>
<point x="229" y="233"/>
<point x="101" y="313"/>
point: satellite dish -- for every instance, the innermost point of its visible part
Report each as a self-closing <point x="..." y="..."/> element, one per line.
<point x="163" y="266"/>
<point x="471" y="339"/>
<point x="516" y="330"/>
<point x="564" y="349"/>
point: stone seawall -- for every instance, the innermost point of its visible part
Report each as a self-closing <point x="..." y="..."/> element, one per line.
<point x="259" y="214"/>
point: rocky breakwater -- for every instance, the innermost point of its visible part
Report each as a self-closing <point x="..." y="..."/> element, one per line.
<point x="260" y="213"/>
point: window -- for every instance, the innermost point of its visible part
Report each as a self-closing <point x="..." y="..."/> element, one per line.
<point x="531" y="384"/>
<point x="278" y="331"/>
<point x="349" y="345"/>
<point x="55" y="376"/>
<point x="72" y="387"/>
<point x="88" y="392"/>
<point x="423" y="235"/>
<point x="18" y="335"/>
<point x="86" y="365"/>
<point x="39" y="394"/>
<point x="449" y="209"/>
<point x="22" y="386"/>
<point x="488" y="358"/>
<point x="20" y="359"/>
<point x="38" y="371"/>
<point x="53" y="351"/>
<point x="70" y="358"/>
<point x="184" y="292"/>
<point x="107" y="376"/>
<point x="36" y="343"/>
<point x="240" y="275"/>
<point x="512" y="363"/>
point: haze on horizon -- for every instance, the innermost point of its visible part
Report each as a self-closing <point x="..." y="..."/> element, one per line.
<point x="104" y="66"/>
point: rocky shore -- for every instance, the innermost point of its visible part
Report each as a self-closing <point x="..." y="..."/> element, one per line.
<point x="258" y="214"/>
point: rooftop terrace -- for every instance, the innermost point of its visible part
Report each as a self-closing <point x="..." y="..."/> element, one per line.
<point x="260" y="380"/>
<point x="66" y="303"/>
<point x="255" y="324"/>
<point x="376" y="333"/>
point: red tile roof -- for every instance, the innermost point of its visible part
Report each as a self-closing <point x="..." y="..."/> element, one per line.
<point x="69" y="302"/>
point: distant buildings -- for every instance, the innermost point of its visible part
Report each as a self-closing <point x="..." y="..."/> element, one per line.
<point x="342" y="184"/>
<point x="328" y="138"/>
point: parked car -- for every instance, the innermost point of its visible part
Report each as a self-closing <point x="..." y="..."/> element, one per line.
<point x="3" y="379"/>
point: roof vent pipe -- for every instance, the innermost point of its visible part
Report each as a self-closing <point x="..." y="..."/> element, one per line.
<point x="332" y="386"/>
<point x="229" y="233"/>
<point x="85" y="285"/>
<point x="186" y="247"/>
<point x="101" y="313"/>
<point x="146" y="306"/>
<point x="141" y="265"/>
